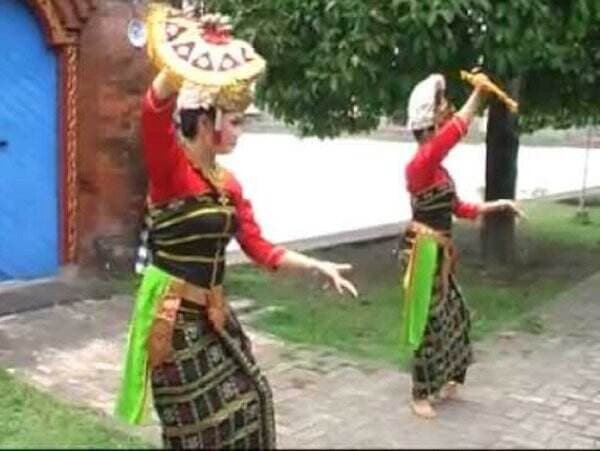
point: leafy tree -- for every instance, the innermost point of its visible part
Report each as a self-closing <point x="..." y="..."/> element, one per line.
<point x="339" y="66"/>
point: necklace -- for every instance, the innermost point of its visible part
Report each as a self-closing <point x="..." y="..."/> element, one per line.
<point x="213" y="172"/>
<point x="215" y="175"/>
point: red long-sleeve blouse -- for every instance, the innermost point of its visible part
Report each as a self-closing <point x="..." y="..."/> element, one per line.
<point x="425" y="170"/>
<point x="171" y="176"/>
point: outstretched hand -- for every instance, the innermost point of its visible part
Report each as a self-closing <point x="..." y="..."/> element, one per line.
<point x="504" y="205"/>
<point x="333" y="273"/>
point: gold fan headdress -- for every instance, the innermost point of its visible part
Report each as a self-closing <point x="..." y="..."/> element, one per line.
<point x="201" y="51"/>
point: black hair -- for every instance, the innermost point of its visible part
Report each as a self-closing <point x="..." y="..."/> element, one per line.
<point x="188" y="120"/>
<point x="421" y="133"/>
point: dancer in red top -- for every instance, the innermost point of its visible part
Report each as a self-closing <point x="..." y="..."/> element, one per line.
<point x="443" y="353"/>
<point x="206" y="386"/>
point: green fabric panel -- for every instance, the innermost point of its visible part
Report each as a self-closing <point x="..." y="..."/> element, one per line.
<point x="418" y="293"/>
<point x="133" y="400"/>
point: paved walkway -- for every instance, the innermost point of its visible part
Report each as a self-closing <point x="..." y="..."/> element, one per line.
<point x="524" y="391"/>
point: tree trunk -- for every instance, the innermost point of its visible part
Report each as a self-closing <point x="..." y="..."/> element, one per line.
<point x="502" y="146"/>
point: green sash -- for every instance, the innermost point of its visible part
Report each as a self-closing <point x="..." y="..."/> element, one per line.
<point x="418" y="289"/>
<point x="133" y="401"/>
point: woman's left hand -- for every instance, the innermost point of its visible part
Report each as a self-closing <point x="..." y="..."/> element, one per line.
<point x="332" y="271"/>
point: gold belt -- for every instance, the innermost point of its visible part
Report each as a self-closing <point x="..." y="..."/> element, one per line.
<point x="160" y="342"/>
<point x="213" y="299"/>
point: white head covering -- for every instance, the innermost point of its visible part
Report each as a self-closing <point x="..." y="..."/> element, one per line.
<point x="421" y="103"/>
<point x="193" y="96"/>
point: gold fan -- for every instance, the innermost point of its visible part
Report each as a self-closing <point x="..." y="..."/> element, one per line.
<point x="484" y="82"/>
<point x="202" y="50"/>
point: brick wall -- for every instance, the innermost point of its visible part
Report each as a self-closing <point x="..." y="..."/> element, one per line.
<point x="113" y="77"/>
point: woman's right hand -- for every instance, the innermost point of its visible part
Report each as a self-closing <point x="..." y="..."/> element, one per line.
<point x="504" y="205"/>
<point x="164" y="85"/>
<point x="483" y="85"/>
<point x="481" y="82"/>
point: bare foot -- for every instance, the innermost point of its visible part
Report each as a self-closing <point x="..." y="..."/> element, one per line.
<point x="422" y="408"/>
<point x="449" y="391"/>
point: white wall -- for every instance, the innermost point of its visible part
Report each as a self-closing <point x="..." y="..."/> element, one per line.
<point x="308" y="188"/>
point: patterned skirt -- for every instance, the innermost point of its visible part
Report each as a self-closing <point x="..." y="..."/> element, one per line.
<point x="211" y="394"/>
<point x="446" y="352"/>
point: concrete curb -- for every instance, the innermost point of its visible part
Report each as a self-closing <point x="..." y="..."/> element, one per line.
<point x="326" y="241"/>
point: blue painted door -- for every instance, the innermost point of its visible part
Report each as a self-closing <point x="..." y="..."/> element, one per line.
<point x="28" y="146"/>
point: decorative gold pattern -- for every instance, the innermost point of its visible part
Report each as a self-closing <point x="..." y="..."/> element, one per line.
<point x="65" y="36"/>
<point x="193" y="214"/>
<point x="57" y="31"/>
<point x="447" y="246"/>
<point x="178" y="42"/>
<point x="190" y="258"/>
<point x="202" y="52"/>
<point x="70" y="85"/>
<point x="187" y="239"/>
<point x="213" y="279"/>
<point x="234" y="97"/>
<point x="216" y="175"/>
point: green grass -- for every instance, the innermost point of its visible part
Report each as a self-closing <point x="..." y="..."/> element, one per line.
<point x="555" y="223"/>
<point x="559" y="253"/>
<point x="370" y="326"/>
<point x="367" y="327"/>
<point x="31" y="419"/>
<point x="496" y="304"/>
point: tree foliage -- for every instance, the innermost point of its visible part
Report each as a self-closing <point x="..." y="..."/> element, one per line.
<point x="340" y="65"/>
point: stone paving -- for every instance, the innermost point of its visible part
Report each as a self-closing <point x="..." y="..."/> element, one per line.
<point x="524" y="391"/>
